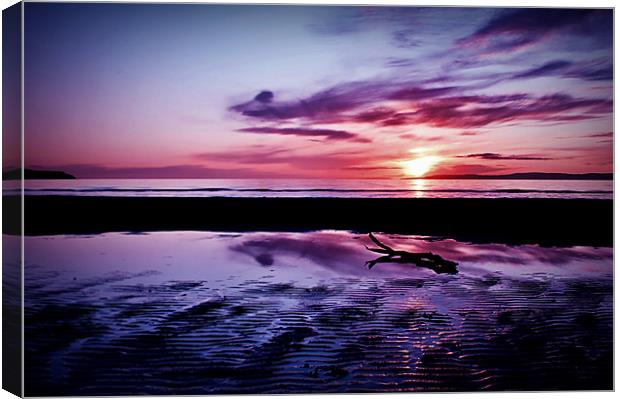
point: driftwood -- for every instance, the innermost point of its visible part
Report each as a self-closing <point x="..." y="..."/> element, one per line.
<point x="428" y="260"/>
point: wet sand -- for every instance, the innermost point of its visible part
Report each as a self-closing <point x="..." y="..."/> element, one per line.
<point x="207" y="313"/>
<point x="550" y="222"/>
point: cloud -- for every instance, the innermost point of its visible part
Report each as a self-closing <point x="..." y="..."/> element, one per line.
<point x="475" y="112"/>
<point x="405" y="38"/>
<point x="352" y="20"/>
<point x="499" y="157"/>
<point x="264" y="96"/>
<point x="596" y="73"/>
<point x="93" y="171"/>
<point x="593" y="71"/>
<point x="602" y="138"/>
<point x="420" y="93"/>
<point x="393" y="103"/>
<point x="327" y="105"/>
<point x="372" y="168"/>
<point x="374" y="114"/>
<point x="252" y="156"/>
<point x="401" y="62"/>
<point x="602" y="135"/>
<point x="411" y="136"/>
<point x="321" y="106"/>
<point x="328" y="134"/>
<point x="334" y="162"/>
<point x="515" y="29"/>
<point x="544" y="70"/>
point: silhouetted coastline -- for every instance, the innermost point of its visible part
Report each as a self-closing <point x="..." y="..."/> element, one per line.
<point x="32" y="174"/>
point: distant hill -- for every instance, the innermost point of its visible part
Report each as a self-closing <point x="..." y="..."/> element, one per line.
<point x="31" y="174"/>
<point x="530" y="176"/>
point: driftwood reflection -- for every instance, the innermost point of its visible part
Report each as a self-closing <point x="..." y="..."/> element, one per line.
<point x="427" y="260"/>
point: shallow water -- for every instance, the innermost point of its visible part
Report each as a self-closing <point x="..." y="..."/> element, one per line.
<point x="304" y="188"/>
<point x="204" y="312"/>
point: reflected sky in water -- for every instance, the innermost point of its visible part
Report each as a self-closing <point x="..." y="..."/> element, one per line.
<point x="208" y="312"/>
<point x="295" y="256"/>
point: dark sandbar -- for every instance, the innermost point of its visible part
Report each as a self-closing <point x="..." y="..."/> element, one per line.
<point x="550" y="222"/>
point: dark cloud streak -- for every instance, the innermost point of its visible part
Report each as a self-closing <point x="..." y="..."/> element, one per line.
<point x="567" y="69"/>
<point x="499" y="157"/>
<point x="544" y="70"/>
<point x="514" y="29"/>
<point x="328" y="134"/>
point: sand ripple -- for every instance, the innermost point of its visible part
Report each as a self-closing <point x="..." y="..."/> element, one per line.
<point x="440" y="333"/>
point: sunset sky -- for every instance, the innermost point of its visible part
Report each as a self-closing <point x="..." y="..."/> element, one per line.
<point x="189" y="91"/>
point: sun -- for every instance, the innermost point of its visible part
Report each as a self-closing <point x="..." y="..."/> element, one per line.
<point x="420" y="166"/>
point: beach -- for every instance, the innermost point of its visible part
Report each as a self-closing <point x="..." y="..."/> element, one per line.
<point x="274" y="312"/>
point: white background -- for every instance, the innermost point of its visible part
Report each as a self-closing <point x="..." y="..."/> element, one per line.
<point x="495" y="3"/>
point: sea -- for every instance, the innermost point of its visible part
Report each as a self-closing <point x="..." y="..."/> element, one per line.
<point x="350" y="188"/>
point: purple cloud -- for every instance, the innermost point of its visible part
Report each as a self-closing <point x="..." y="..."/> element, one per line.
<point x="322" y="105"/>
<point x="385" y="103"/>
<point x="328" y="134"/>
<point x="264" y="96"/>
<point x="514" y="29"/>
<point x="326" y="105"/>
<point x="456" y="113"/>
<point x="607" y="135"/>
<point x="329" y="160"/>
<point x="373" y="168"/>
<point x="544" y="70"/>
<point x="592" y="73"/>
<point x="420" y="93"/>
<point x="374" y="115"/>
<point x="499" y="157"/>
<point x="252" y="155"/>
<point x="561" y="68"/>
<point x="411" y="136"/>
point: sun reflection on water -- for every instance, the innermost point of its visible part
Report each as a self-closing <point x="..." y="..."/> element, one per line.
<point x="419" y="187"/>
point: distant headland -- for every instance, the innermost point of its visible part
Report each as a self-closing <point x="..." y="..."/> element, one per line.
<point x="31" y="174"/>
<point x="529" y="176"/>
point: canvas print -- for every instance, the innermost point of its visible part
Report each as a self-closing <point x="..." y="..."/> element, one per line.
<point x="251" y="199"/>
